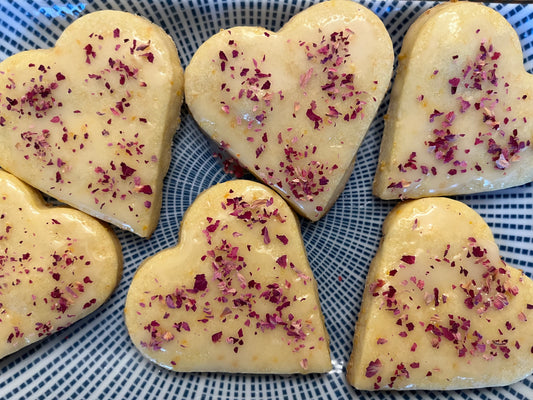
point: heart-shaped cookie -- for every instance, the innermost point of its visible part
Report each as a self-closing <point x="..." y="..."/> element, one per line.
<point x="460" y="107"/>
<point x="57" y="265"/>
<point x="441" y="310"/>
<point x="293" y="106"/>
<point x="236" y="294"/>
<point x="90" y="121"/>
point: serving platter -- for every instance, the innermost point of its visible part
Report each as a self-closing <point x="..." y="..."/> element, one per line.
<point x="94" y="358"/>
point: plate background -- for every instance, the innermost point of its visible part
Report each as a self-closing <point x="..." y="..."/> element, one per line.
<point x="95" y="358"/>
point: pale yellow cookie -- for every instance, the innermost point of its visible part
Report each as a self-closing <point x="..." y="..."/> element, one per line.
<point x="91" y="120"/>
<point x="293" y="106"/>
<point x="236" y="294"/>
<point x="461" y="107"/>
<point x="441" y="310"/>
<point x="57" y="265"/>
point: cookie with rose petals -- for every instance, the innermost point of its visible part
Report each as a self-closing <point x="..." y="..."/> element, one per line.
<point x="57" y="265"/>
<point x="293" y="106"/>
<point x="460" y="108"/>
<point x="441" y="310"/>
<point x="236" y="294"/>
<point x="90" y="121"/>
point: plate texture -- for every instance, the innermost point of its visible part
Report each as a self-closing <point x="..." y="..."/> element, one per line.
<point x="95" y="358"/>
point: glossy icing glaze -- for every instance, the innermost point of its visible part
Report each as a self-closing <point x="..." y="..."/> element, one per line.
<point x="90" y="121"/>
<point x="57" y="265"/>
<point x="441" y="310"/>
<point x="235" y="295"/>
<point x="293" y="106"/>
<point x="458" y="119"/>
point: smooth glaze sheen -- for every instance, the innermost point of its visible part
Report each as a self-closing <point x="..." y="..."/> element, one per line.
<point x="460" y="108"/>
<point x="293" y="106"/>
<point x="57" y="265"/>
<point x="91" y="120"/>
<point x="441" y="310"/>
<point x="235" y="295"/>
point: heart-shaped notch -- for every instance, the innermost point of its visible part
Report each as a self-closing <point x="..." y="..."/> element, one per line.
<point x="458" y="119"/>
<point x="57" y="265"/>
<point x="293" y="106"/>
<point x="441" y="310"/>
<point x="91" y="120"/>
<point x="236" y="294"/>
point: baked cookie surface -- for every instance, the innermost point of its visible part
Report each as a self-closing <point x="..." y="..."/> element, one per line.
<point x="235" y="295"/>
<point x="57" y="265"/>
<point x="441" y="310"/>
<point x="293" y="106"/>
<point x="91" y="120"/>
<point x="460" y="110"/>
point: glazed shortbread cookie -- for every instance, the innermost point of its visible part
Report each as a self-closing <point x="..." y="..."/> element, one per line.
<point x="441" y="310"/>
<point x="90" y="121"/>
<point x="460" y="109"/>
<point x="293" y="106"/>
<point x="57" y="265"/>
<point x="236" y="294"/>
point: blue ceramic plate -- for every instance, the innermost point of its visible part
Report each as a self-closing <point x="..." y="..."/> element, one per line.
<point x="95" y="358"/>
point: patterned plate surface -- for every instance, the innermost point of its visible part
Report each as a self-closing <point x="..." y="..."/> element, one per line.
<point x="94" y="358"/>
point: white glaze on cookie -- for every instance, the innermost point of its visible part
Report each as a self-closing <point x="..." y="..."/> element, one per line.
<point x="90" y="121"/>
<point x="236" y="294"/>
<point x="57" y="265"/>
<point x="441" y="310"/>
<point x="293" y="106"/>
<point x="458" y="119"/>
